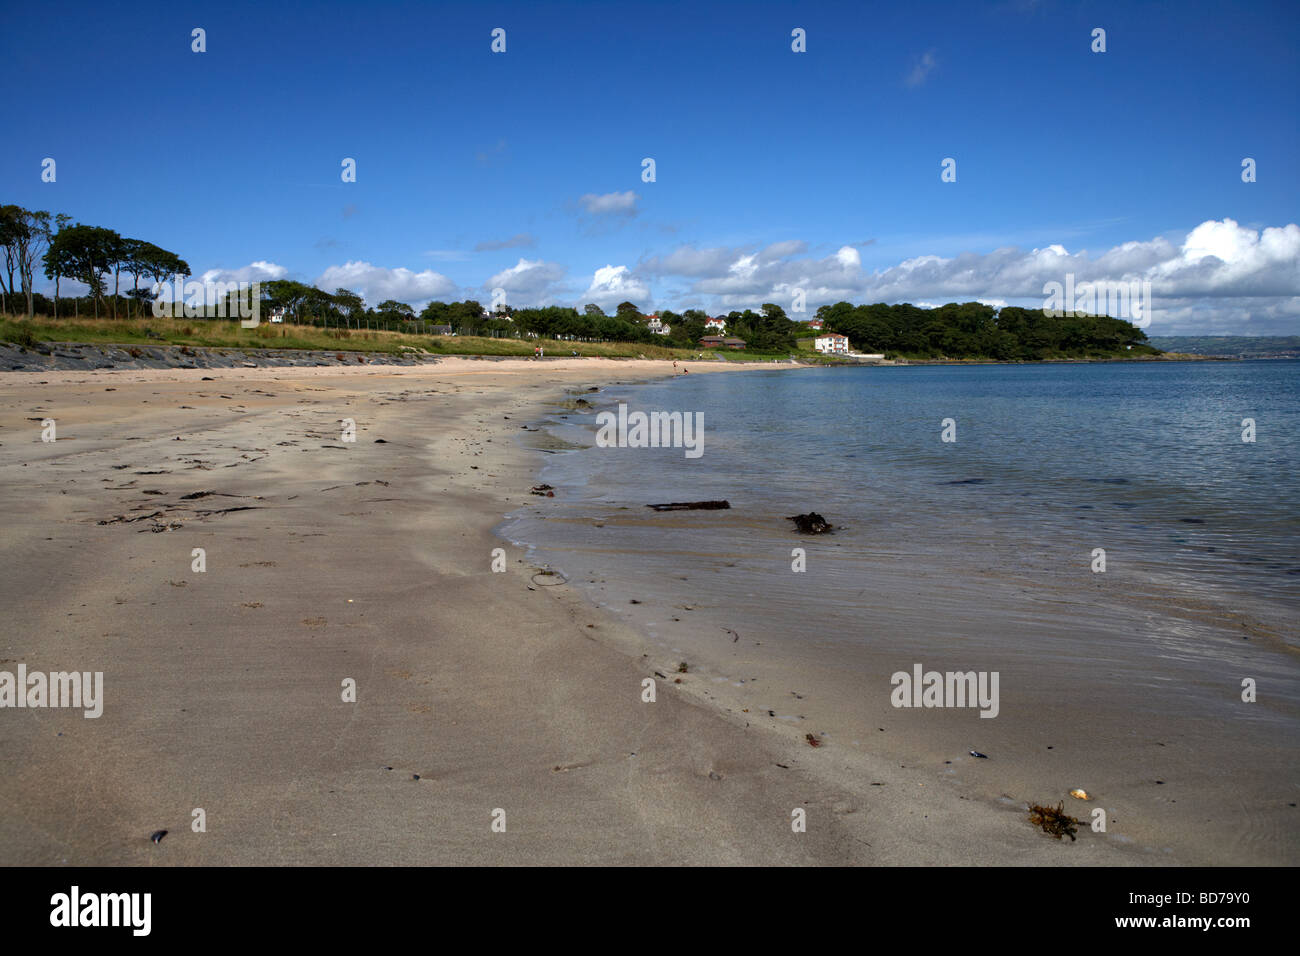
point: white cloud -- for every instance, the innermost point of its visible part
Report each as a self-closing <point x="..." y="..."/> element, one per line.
<point x="1222" y="275"/>
<point x="610" y="204"/>
<point x="783" y="250"/>
<point x="526" y="282"/>
<point x="1218" y="259"/>
<point x="376" y="284"/>
<point x="748" y="279"/>
<point x="611" y="285"/>
<point x="1224" y="258"/>
<point x="259" y="271"/>
<point x="690" y="261"/>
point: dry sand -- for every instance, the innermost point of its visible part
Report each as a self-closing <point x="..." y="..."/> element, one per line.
<point x="371" y="561"/>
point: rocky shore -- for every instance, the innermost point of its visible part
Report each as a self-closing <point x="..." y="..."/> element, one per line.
<point x="68" y="356"/>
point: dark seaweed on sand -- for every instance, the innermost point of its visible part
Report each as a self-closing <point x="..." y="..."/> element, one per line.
<point x="1054" y="822"/>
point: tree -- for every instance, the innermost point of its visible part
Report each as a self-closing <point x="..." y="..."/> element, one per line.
<point x="390" y="310"/>
<point x="318" y="303"/>
<point x="349" y="304"/>
<point x="134" y="255"/>
<point x="436" y="313"/>
<point x="83" y="253"/>
<point x="628" y="312"/>
<point x="25" y="235"/>
<point x="141" y="296"/>
<point x="465" y="314"/>
<point x="10" y="225"/>
<point x="56" y="261"/>
<point x="161" y="265"/>
<point x="286" y="294"/>
<point x="688" y="331"/>
<point x="592" y="309"/>
<point x="116" y="256"/>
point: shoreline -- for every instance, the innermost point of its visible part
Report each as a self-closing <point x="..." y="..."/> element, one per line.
<point x="87" y="356"/>
<point x="475" y="690"/>
<point x="840" y="688"/>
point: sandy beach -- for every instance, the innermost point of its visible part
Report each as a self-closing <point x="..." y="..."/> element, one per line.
<point x="371" y="561"/>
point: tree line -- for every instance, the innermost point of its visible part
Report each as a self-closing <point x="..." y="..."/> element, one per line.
<point x="67" y="250"/>
<point x="768" y="330"/>
<point x="975" y="330"/>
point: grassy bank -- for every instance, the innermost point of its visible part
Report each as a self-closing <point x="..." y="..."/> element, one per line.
<point x="227" y="333"/>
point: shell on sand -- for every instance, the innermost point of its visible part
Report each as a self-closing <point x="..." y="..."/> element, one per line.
<point x="1079" y="794"/>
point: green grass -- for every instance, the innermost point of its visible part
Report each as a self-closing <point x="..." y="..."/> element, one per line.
<point x="205" y="333"/>
<point x="227" y="333"/>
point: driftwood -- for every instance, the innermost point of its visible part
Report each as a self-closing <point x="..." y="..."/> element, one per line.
<point x="811" y="523"/>
<point x="691" y="506"/>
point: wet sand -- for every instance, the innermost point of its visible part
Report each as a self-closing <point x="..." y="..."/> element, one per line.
<point x="371" y="561"/>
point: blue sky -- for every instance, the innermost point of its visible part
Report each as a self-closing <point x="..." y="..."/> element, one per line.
<point x="775" y="170"/>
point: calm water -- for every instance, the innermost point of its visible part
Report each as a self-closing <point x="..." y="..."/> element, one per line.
<point x="1144" y="460"/>
<point x="976" y="554"/>
<point x="977" y="551"/>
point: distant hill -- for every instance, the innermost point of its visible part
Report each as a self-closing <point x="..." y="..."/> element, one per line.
<point x="1231" y="346"/>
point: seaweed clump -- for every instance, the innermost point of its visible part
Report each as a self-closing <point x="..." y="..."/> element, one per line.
<point x="1054" y="822"/>
<point x="811" y="523"/>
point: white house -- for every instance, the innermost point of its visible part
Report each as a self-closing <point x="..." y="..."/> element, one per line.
<point x="278" y="314"/>
<point x="719" y="324"/>
<point x="832" y="344"/>
<point x="816" y="324"/>
<point x="655" y="325"/>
